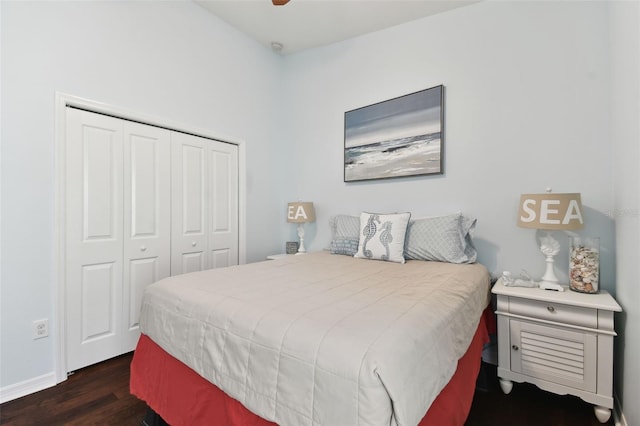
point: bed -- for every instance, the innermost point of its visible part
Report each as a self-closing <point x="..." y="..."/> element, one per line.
<point x="317" y="339"/>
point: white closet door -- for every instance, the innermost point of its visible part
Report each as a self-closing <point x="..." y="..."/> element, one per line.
<point x="223" y="204"/>
<point x="189" y="204"/>
<point x="141" y="203"/>
<point x="118" y="219"/>
<point x="94" y="241"/>
<point x="147" y="219"/>
<point x="204" y="204"/>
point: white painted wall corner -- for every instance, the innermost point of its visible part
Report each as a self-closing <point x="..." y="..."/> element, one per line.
<point x="618" y="415"/>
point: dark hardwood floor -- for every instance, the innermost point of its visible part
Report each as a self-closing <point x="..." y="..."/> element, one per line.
<point x="526" y="405"/>
<point x="99" y="395"/>
<point x="96" y="395"/>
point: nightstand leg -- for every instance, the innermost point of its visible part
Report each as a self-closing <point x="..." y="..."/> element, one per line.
<point x="506" y="386"/>
<point x="602" y="413"/>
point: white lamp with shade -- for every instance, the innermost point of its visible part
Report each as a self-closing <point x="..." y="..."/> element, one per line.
<point x="550" y="212"/>
<point x="301" y="212"/>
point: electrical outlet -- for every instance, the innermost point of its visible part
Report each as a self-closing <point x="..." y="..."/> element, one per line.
<point x="40" y="328"/>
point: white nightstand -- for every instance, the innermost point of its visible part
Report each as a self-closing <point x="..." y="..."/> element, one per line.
<point x="561" y="342"/>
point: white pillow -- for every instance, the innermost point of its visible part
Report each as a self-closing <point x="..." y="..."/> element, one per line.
<point x="382" y="236"/>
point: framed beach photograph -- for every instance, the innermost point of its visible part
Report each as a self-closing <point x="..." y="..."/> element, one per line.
<point x="400" y="137"/>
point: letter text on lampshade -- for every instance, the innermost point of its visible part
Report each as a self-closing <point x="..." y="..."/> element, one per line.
<point x="301" y="212"/>
<point x="551" y="211"/>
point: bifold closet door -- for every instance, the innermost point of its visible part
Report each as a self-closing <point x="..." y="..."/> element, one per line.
<point x="117" y="219"/>
<point x="204" y="204"/>
<point x="147" y="219"/>
<point x="94" y="237"/>
<point x="223" y="204"/>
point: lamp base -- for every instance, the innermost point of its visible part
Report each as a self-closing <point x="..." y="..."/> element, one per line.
<point x="550" y="247"/>
<point x="301" y="248"/>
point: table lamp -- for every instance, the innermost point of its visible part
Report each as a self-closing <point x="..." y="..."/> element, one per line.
<point x="301" y="212"/>
<point x="550" y="212"/>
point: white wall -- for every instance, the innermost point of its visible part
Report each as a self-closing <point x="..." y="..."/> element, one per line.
<point x="171" y="60"/>
<point x="526" y="107"/>
<point x="625" y="134"/>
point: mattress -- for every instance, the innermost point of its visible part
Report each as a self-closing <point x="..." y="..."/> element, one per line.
<point x="321" y="338"/>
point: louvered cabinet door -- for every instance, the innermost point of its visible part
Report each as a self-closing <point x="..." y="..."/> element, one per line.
<point x="555" y="354"/>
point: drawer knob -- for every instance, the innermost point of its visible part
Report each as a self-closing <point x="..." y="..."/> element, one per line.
<point x="193" y="244"/>
<point x="514" y="347"/>
<point x="143" y="248"/>
<point x="551" y="309"/>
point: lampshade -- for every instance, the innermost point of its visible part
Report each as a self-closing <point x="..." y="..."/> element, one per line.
<point x="551" y="211"/>
<point x="301" y="212"/>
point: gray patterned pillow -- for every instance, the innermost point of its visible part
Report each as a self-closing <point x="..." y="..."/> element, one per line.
<point x="443" y="238"/>
<point x="343" y="226"/>
<point x="382" y="236"/>
<point x="346" y="246"/>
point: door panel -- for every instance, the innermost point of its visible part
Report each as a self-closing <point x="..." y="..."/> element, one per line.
<point x="192" y="262"/>
<point x="144" y="175"/>
<point x="94" y="241"/>
<point x="142" y="272"/>
<point x="193" y="192"/>
<point x="223" y="199"/>
<point x="221" y="258"/>
<point x="98" y="311"/>
<point x="101" y="149"/>
<point x="189" y="204"/>
<point x="204" y="203"/>
<point x="147" y="224"/>
<point x="220" y="191"/>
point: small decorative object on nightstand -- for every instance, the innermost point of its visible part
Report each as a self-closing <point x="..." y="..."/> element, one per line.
<point x="551" y="212"/>
<point x="560" y="341"/>
<point x="301" y="212"/>
<point x="291" y="247"/>
<point x="584" y="264"/>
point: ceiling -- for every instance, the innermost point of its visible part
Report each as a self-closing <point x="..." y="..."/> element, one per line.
<point x="303" y="24"/>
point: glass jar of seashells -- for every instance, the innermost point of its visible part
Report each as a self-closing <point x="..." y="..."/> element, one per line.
<point x="584" y="264"/>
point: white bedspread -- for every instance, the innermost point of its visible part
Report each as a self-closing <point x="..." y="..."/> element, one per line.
<point x="322" y="339"/>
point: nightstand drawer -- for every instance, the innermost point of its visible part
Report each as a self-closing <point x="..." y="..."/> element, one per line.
<point x="558" y="312"/>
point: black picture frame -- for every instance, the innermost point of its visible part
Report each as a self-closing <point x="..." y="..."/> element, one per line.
<point x="399" y="137"/>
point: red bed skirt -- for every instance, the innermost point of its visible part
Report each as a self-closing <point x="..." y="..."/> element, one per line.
<point x="182" y="397"/>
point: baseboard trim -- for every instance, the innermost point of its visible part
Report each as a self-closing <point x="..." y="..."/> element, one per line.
<point x="618" y="416"/>
<point x="18" y="390"/>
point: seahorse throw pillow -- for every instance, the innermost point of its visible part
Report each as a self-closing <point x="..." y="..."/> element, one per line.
<point x="382" y="236"/>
